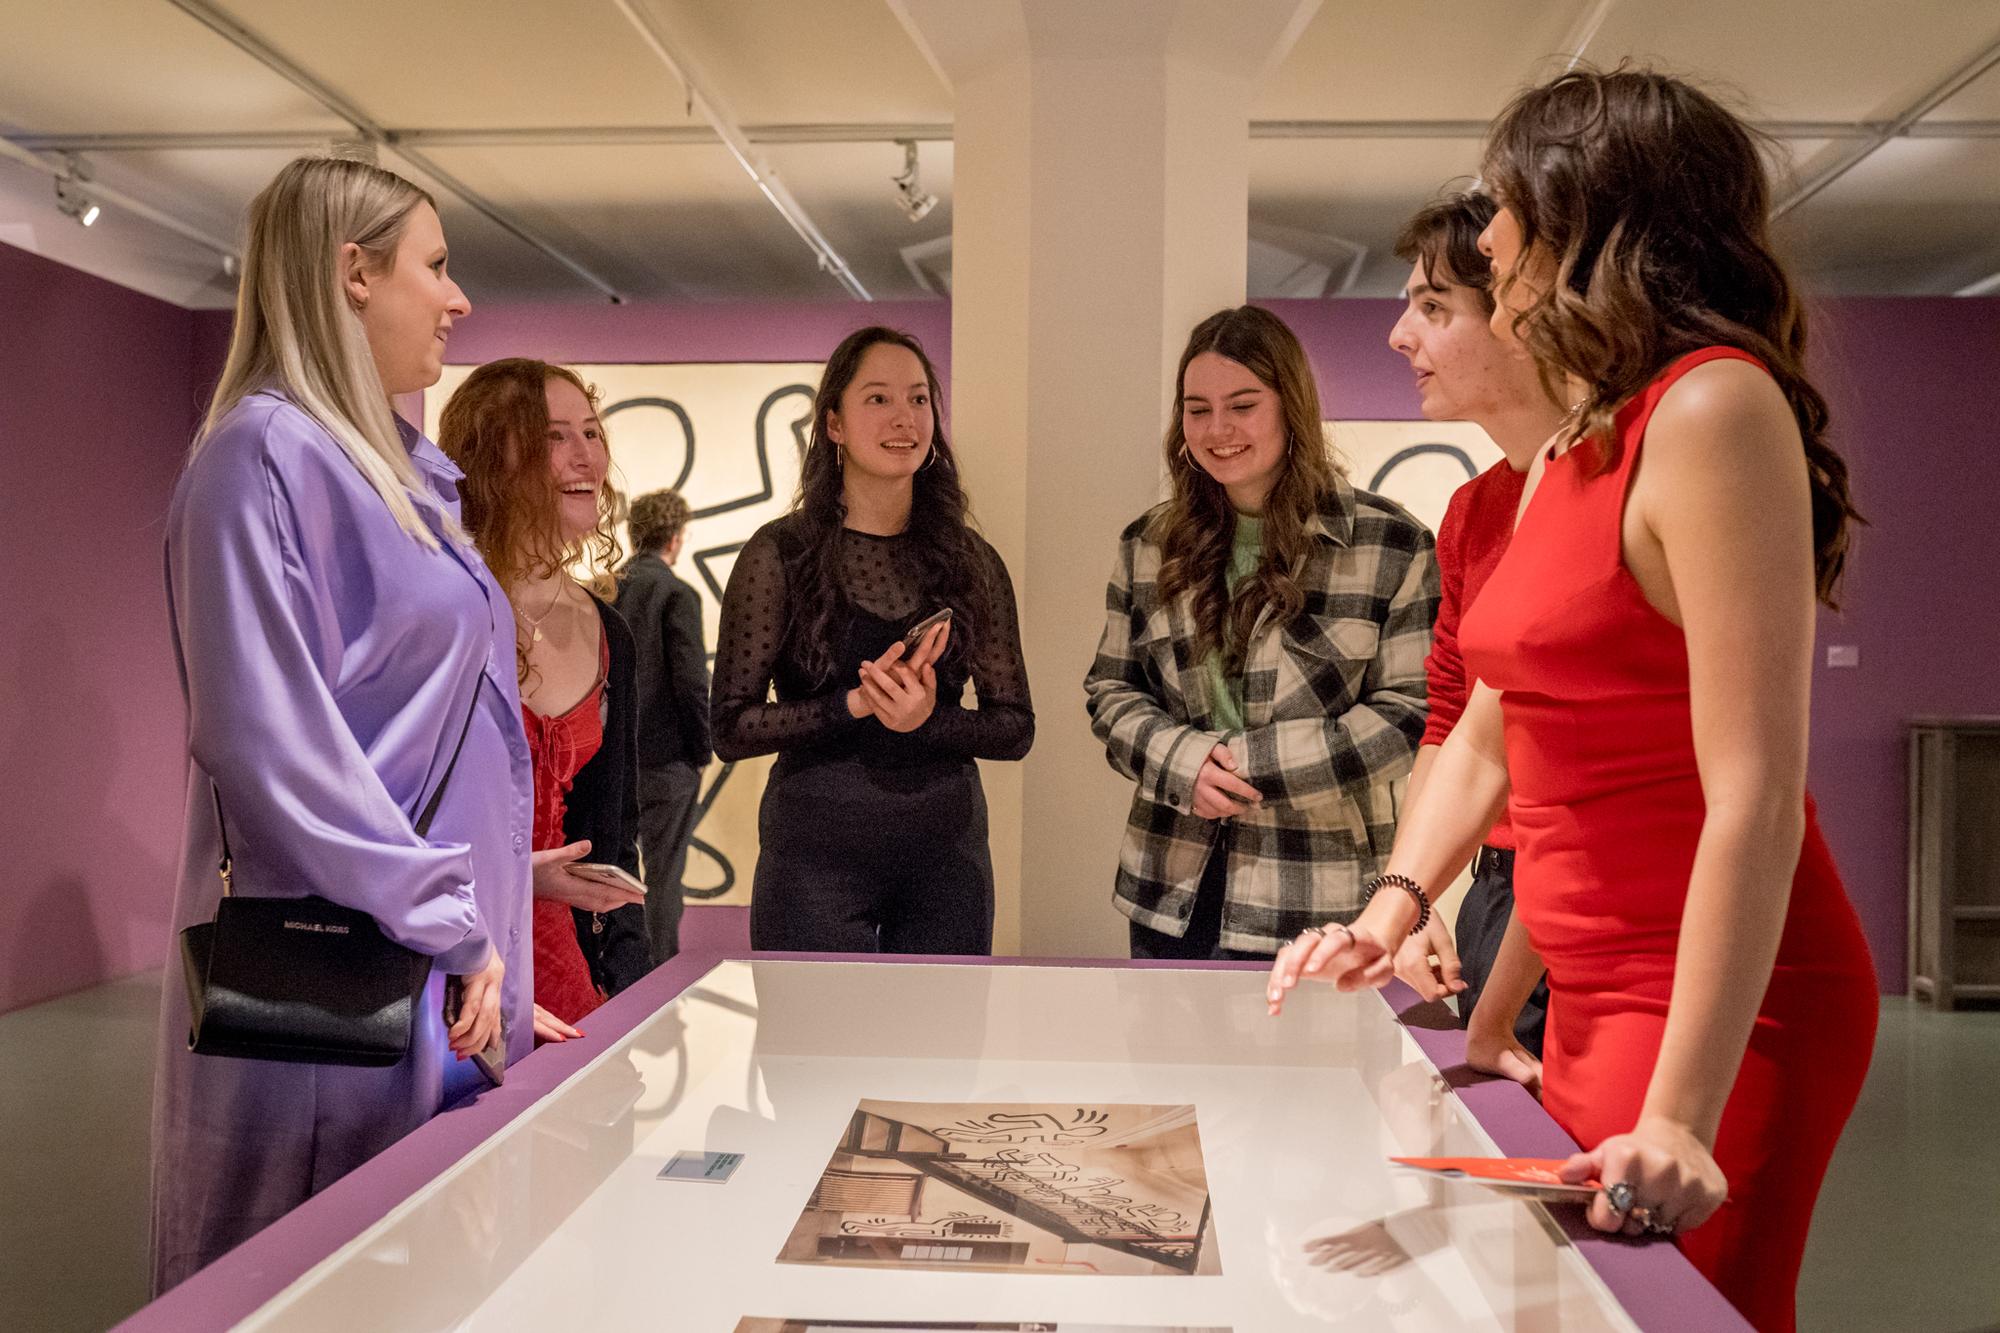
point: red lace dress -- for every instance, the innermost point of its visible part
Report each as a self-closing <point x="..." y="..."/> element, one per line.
<point x="560" y="746"/>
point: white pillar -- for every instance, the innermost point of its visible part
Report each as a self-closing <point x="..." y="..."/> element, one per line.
<point x="1100" y="210"/>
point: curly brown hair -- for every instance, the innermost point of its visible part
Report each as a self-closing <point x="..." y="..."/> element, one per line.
<point x="1197" y="525"/>
<point x="657" y="518"/>
<point x="1443" y="236"/>
<point x="496" y="428"/>
<point x="1653" y="202"/>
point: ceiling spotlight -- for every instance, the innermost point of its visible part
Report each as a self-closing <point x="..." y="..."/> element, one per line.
<point x="71" y="199"/>
<point x="915" y="203"/>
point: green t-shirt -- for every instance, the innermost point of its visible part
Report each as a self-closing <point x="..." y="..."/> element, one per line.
<point x="1226" y="692"/>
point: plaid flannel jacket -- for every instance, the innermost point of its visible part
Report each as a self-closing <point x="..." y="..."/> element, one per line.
<point x="1333" y="706"/>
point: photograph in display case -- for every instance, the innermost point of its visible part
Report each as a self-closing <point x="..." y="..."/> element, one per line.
<point x="953" y="1326"/>
<point x="1030" y="1187"/>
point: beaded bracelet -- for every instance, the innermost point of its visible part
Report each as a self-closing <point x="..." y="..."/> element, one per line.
<point x="1409" y="886"/>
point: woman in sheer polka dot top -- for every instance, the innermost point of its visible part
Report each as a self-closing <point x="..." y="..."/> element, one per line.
<point x="873" y="828"/>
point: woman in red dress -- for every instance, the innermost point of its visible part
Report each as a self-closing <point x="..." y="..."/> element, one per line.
<point x="1644" y="652"/>
<point x="537" y="501"/>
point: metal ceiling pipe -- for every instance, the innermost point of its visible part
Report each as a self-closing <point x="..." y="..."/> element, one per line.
<point x="528" y="136"/>
<point x="640" y="136"/>
<point x="1584" y="31"/>
<point x="122" y="201"/>
<point x="241" y="37"/>
<point x="1937" y="96"/>
<point x="702" y="97"/>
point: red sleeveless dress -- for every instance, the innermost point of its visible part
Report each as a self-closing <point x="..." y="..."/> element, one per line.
<point x="560" y="746"/>
<point x="1607" y="806"/>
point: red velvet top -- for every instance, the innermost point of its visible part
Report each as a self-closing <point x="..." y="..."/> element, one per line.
<point x="1477" y="525"/>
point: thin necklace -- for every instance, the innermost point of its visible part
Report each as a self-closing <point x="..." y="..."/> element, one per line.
<point x="535" y="623"/>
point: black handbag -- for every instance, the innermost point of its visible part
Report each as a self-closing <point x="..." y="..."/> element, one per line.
<point x="303" y="979"/>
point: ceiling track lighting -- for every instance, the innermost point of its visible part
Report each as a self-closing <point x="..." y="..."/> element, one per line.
<point x="909" y="192"/>
<point x="72" y="199"/>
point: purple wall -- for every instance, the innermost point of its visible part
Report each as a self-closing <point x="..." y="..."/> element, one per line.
<point x="1360" y="377"/>
<point x="1916" y="399"/>
<point x="108" y="385"/>
<point x="100" y="405"/>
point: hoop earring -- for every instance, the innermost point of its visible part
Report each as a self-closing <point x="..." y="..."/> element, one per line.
<point x="929" y="459"/>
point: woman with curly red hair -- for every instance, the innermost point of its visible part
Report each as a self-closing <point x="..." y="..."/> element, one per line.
<point x="539" y="503"/>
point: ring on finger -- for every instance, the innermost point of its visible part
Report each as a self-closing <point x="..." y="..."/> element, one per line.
<point x="1621" y="1196"/>
<point x="1656" y="1227"/>
<point x="1341" y="926"/>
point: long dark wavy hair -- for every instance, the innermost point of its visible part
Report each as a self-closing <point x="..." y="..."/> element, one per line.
<point x="1197" y="526"/>
<point x="941" y="542"/>
<point x="1654" y="204"/>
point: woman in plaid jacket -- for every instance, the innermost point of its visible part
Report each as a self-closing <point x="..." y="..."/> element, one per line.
<point x="1261" y="674"/>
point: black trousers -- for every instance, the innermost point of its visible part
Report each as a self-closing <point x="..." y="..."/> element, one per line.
<point x="860" y="859"/>
<point x="1482" y="924"/>
<point x="1202" y="942"/>
<point x="668" y="794"/>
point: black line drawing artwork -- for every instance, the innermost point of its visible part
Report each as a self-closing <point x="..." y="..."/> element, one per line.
<point x="1402" y="456"/>
<point x="1030" y="1127"/>
<point x="749" y="1323"/>
<point x="680" y="414"/>
<point x="706" y="559"/>
<point x="1113" y="1189"/>
<point x="953" y="1224"/>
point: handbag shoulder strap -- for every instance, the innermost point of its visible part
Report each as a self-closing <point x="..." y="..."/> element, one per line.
<point x="422" y="826"/>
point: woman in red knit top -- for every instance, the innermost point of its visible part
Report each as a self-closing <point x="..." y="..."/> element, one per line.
<point x="1644" y="653"/>
<point x="1466" y="372"/>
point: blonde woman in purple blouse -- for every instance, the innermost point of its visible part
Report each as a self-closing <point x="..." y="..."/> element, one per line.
<point x="333" y="627"/>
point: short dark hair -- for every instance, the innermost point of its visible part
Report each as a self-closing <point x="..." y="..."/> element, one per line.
<point x="1444" y="238"/>
<point x="657" y="518"/>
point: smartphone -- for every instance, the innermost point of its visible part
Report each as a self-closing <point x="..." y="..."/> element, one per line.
<point x="607" y="873"/>
<point x="491" y="1062"/>
<point x="923" y="627"/>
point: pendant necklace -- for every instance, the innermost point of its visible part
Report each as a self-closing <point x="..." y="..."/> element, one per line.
<point x="536" y="623"/>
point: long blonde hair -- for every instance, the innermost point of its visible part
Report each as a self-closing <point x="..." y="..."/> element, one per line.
<point x="297" y="332"/>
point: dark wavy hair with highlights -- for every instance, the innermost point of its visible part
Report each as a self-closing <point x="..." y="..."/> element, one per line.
<point x="496" y="428"/>
<point x="1197" y="525"/>
<point x="941" y="543"/>
<point x="1653" y="203"/>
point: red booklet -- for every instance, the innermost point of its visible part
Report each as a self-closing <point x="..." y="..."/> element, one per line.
<point x="1523" y="1177"/>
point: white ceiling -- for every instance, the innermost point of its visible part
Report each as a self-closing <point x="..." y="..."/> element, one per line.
<point x="681" y="220"/>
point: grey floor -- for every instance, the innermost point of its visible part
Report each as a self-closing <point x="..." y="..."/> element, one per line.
<point x="1907" y="1237"/>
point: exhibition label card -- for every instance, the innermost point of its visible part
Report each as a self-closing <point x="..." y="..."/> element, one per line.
<point x="711" y="1167"/>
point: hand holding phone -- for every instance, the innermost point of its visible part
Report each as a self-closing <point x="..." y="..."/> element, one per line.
<point x="616" y="877"/>
<point x="915" y="638"/>
<point x="491" y="1061"/>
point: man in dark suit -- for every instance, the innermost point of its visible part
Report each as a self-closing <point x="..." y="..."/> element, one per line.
<point x="665" y="616"/>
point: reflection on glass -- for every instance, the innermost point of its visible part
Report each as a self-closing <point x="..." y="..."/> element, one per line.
<point x="1290" y="1218"/>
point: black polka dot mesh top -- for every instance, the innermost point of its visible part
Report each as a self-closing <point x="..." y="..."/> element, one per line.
<point x="809" y="720"/>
